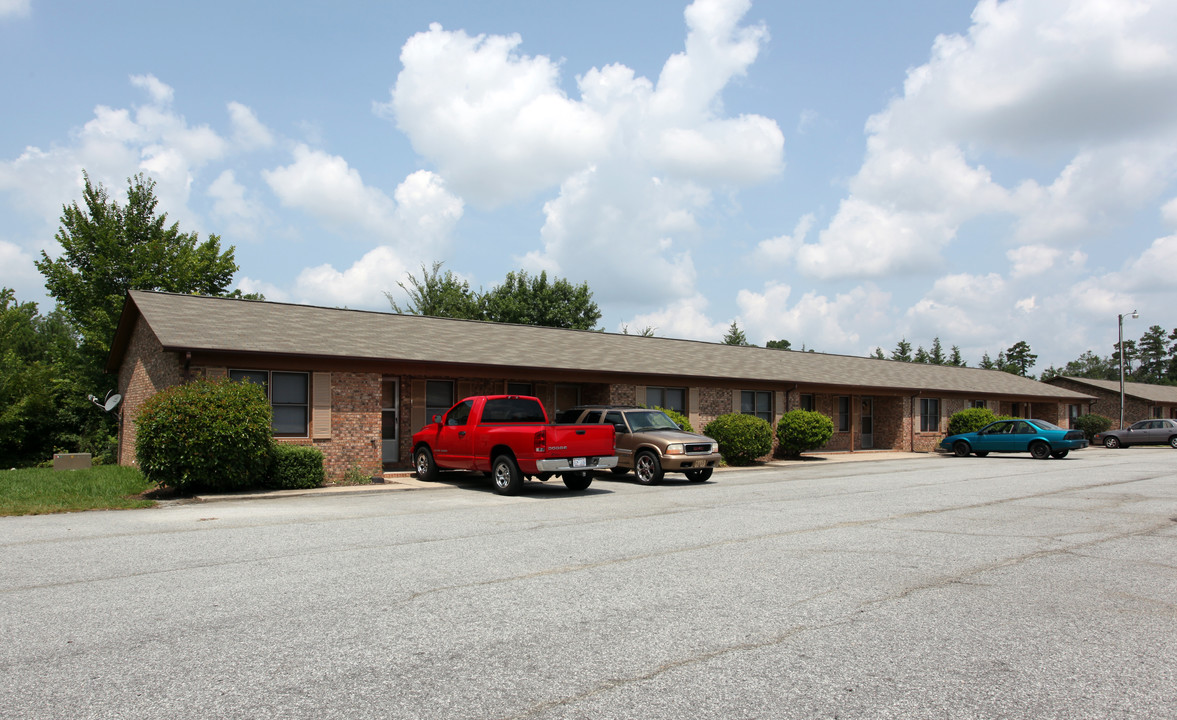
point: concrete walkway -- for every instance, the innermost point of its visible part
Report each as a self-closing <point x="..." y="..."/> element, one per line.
<point x="399" y="480"/>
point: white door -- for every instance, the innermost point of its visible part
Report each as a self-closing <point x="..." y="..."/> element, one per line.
<point x="867" y="423"/>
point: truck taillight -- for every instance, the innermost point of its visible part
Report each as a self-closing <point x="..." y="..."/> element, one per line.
<point x="541" y="441"/>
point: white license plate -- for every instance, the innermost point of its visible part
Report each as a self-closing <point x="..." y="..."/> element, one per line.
<point x="579" y="462"/>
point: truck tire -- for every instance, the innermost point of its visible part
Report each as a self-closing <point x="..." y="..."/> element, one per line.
<point x="505" y="475"/>
<point x="577" y="480"/>
<point x="647" y="468"/>
<point x="423" y="462"/>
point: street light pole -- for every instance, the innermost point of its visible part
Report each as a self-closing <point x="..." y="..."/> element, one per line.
<point x="1120" y="318"/>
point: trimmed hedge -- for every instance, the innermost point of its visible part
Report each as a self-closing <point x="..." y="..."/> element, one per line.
<point x="801" y="430"/>
<point x="969" y="420"/>
<point x="294" y="467"/>
<point x="1092" y="425"/>
<point x="742" y="438"/>
<point x="205" y="435"/>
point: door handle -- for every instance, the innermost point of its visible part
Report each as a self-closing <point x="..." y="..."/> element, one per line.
<point x="580" y="432"/>
<point x="461" y="433"/>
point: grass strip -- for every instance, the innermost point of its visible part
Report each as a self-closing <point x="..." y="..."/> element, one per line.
<point x="36" y="491"/>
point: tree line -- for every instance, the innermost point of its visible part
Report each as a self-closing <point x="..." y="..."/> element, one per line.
<point x="1151" y="359"/>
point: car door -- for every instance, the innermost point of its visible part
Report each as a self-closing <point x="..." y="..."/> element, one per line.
<point x="623" y="440"/>
<point x="454" y="438"/>
<point x="1020" y="435"/>
<point x="993" y="438"/>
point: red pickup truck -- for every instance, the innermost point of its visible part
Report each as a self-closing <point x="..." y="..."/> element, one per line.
<point x="509" y="438"/>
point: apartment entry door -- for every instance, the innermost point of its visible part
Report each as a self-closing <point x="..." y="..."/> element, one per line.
<point x="866" y="414"/>
<point x="390" y="405"/>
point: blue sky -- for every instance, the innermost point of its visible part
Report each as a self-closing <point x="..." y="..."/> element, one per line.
<point x="840" y="174"/>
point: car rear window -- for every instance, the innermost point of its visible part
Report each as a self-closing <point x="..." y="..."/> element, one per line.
<point x="513" y="410"/>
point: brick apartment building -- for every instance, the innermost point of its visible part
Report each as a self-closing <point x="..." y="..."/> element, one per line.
<point x="1141" y="400"/>
<point x="357" y="384"/>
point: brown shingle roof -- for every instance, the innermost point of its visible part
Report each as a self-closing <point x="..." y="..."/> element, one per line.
<point x="189" y="322"/>
<point x="1143" y="391"/>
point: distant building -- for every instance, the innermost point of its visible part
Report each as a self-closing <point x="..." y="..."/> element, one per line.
<point x="1141" y="400"/>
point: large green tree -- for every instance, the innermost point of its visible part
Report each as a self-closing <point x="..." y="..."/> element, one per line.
<point x="535" y="300"/>
<point x="109" y="248"/>
<point x="902" y="351"/>
<point x="521" y="298"/>
<point x="1018" y="359"/>
<point x="438" y="295"/>
<point x="1152" y="352"/>
<point x="43" y="388"/>
<point x="735" y="336"/>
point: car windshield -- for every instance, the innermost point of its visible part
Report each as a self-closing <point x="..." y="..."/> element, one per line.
<point x="643" y="420"/>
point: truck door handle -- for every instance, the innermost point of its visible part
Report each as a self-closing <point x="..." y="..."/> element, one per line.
<point x="461" y="433"/>
<point x="580" y="432"/>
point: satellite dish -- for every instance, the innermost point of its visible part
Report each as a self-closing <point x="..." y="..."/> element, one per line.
<point x="112" y="402"/>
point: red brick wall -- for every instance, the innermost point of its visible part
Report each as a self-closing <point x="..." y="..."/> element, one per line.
<point x="146" y="370"/>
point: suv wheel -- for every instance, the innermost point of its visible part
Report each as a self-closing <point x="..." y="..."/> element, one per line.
<point x="647" y="468"/>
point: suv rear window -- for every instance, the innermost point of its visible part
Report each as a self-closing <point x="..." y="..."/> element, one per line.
<point x="513" y="410"/>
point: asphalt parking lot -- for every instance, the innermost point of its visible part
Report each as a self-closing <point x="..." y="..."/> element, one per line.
<point x="917" y="586"/>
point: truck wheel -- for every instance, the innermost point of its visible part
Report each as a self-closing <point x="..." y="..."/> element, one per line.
<point x="698" y="475"/>
<point x="647" y="468"/>
<point x="426" y="468"/>
<point x="577" y="480"/>
<point x="506" y="476"/>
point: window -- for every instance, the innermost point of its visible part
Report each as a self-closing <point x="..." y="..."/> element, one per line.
<point x="513" y="410"/>
<point x="460" y="414"/>
<point x="843" y="414"/>
<point x="756" y="402"/>
<point x="520" y="388"/>
<point x="1158" y="412"/>
<point x="670" y="398"/>
<point x="439" y="397"/>
<point x="929" y="415"/>
<point x="1074" y="412"/>
<point x="807" y="402"/>
<point x="289" y="396"/>
<point x="1015" y="409"/>
<point x="977" y="404"/>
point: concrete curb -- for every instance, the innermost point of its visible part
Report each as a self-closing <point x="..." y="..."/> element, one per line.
<point x="404" y="480"/>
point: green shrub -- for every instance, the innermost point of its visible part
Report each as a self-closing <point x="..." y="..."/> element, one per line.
<point x="205" y="435"/>
<point x="1091" y="425"/>
<point x="969" y="420"/>
<point x="742" y="438"/>
<point x="678" y="418"/>
<point x="293" y="467"/>
<point x="354" y="475"/>
<point x="801" y="430"/>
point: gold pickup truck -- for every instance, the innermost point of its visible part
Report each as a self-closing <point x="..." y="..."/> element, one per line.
<point x="649" y="443"/>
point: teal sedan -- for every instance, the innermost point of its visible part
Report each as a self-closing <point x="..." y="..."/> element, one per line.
<point x="1039" y="438"/>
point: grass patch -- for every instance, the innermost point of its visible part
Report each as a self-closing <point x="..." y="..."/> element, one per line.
<point x="36" y="491"/>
